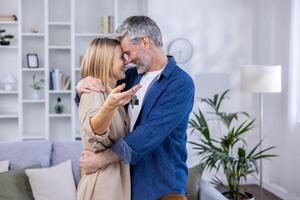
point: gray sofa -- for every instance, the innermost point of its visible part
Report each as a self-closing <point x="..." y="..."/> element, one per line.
<point x="46" y="153"/>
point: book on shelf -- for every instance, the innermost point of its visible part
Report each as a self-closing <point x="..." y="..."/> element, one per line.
<point x="8" y="18"/>
<point x="58" y="80"/>
<point x="107" y="24"/>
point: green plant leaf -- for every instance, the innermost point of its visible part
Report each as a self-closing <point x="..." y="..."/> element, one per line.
<point x="227" y="153"/>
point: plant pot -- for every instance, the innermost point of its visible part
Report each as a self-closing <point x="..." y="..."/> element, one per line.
<point x="4" y="43"/>
<point x="35" y="95"/>
<point x="242" y="197"/>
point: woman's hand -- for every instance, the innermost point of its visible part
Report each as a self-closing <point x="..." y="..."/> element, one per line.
<point x="117" y="98"/>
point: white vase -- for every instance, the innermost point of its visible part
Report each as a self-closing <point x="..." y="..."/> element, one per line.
<point x="35" y="95"/>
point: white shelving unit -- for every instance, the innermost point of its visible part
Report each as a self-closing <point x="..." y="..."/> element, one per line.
<point x="64" y="30"/>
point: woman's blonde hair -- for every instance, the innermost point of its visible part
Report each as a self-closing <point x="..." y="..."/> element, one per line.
<point x="98" y="59"/>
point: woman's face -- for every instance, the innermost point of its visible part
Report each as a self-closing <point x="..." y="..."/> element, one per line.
<point x="118" y="64"/>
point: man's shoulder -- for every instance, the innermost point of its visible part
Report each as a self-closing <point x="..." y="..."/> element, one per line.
<point x="181" y="76"/>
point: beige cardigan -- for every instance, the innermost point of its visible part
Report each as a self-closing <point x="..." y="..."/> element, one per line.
<point x="112" y="182"/>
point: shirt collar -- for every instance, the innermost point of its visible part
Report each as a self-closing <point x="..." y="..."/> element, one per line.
<point x="168" y="69"/>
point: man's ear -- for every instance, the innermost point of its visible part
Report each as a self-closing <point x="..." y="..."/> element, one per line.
<point x="146" y="42"/>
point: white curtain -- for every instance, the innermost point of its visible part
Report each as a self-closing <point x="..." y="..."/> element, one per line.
<point x="291" y="171"/>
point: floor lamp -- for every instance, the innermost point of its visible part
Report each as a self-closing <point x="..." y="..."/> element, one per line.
<point x="261" y="79"/>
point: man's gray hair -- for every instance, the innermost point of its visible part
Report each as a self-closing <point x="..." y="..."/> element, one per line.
<point x="135" y="27"/>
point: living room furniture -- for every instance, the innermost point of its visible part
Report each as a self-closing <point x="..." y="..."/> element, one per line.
<point x="46" y="153"/>
<point x="58" y="32"/>
<point x="261" y="79"/>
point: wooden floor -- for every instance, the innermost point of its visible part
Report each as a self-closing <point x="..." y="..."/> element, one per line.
<point x="255" y="190"/>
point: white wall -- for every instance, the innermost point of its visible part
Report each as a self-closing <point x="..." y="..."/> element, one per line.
<point x="225" y="35"/>
<point x="222" y="35"/>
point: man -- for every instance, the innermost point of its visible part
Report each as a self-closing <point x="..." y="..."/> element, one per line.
<point x="159" y="113"/>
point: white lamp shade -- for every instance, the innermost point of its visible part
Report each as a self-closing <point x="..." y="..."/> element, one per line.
<point x="8" y="78"/>
<point x="261" y="78"/>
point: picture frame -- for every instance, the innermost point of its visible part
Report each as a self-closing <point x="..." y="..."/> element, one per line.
<point x="32" y="60"/>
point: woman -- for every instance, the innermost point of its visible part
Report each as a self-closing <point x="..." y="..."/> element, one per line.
<point x="104" y="120"/>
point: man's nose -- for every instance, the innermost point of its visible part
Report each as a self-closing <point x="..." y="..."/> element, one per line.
<point x="128" y="60"/>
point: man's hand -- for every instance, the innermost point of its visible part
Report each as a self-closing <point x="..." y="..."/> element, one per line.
<point x="90" y="161"/>
<point x="89" y="84"/>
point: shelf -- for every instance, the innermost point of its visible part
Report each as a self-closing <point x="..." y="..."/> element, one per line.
<point x="33" y="69"/>
<point x="33" y="34"/>
<point x="59" y="23"/>
<point x="9" y="92"/>
<point x="9" y="116"/>
<point x="60" y="115"/>
<point x="9" y="47"/>
<point x="33" y="137"/>
<point x="8" y="23"/>
<point x="60" y="47"/>
<point x="60" y="91"/>
<point x="33" y="101"/>
<point x="94" y="35"/>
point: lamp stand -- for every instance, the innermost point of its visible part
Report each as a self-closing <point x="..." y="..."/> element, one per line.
<point x="260" y="146"/>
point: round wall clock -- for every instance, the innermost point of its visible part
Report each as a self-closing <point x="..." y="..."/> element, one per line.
<point x="182" y="49"/>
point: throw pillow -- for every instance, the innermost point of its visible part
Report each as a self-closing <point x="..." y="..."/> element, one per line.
<point x="15" y="185"/>
<point x="4" y="165"/>
<point x="192" y="187"/>
<point x="53" y="183"/>
<point x="207" y="191"/>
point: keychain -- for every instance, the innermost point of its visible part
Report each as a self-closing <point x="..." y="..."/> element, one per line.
<point x="134" y="100"/>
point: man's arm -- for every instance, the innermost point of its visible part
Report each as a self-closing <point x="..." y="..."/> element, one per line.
<point x="170" y="110"/>
<point x="91" y="161"/>
<point x="87" y="85"/>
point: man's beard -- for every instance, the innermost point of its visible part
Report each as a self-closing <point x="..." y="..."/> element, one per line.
<point x="143" y="66"/>
<point x="141" y="69"/>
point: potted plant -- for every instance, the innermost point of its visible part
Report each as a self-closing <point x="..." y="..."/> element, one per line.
<point x="36" y="86"/>
<point x="229" y="152"/>
<point x="3" y="37"/>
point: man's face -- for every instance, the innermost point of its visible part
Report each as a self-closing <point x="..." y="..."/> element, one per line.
<point x="135" y="53"/>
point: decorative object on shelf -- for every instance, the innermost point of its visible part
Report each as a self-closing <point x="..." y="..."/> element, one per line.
<point x="230" y="152"/>
<point x="9" y="82"/>
<point x="32" y="60"/>
<point x="36" y="86"/>
<point x="3" y="37"/>
<point x="182" y="49"/>
<point x="58" y="80"/>
<point x="59" y="107"/>
<point x="106" y="24"/>
<point x="261" y="79"/>
<point x="34" y="30"/>
<point x="8" y="18"/>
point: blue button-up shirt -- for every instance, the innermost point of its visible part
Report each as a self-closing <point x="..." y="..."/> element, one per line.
<point x="156" y="148"/>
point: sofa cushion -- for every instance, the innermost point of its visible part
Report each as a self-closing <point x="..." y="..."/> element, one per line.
<point x="208" y="192"/>
<point x="192" y="187"/>
<point x="62" y="151"/>
<point x="26" y="153"/>
<point x="53" y="183"/>
<point x="15" y="185"/>
<point x="4" y="165"/>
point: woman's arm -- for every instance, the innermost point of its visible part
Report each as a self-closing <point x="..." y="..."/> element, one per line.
<point x="102" y="120"/>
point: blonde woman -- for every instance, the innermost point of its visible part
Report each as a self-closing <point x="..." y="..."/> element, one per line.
<point x="103" y="120"/>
